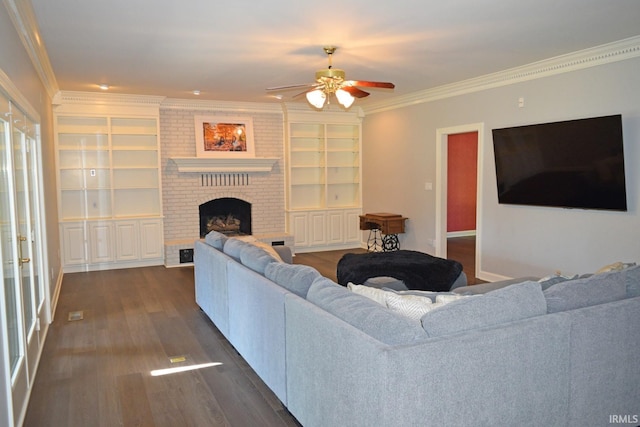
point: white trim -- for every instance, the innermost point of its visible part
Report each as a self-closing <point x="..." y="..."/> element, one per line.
<point x="69" y="97"/>
<point x="442" y="135"/>
<point x="463" y="233"/>
<point x="23" y="18"/>
<point x="599" y="55"/>
<point x="210" y="105"/>
<point x="227" y="164"/>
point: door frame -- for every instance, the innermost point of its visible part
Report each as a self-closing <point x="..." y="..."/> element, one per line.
<point x="442" y="144"/>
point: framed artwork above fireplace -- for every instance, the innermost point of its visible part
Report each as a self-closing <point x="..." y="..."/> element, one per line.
<point x="224" y="137"/>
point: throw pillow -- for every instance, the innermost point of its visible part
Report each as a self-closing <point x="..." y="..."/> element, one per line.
<point x="616" y="266"/>
<point x="411" y="306"/>
<point x="515" y="302"/>
<point x="432" y="295"/>
<point x="375" y="294"/>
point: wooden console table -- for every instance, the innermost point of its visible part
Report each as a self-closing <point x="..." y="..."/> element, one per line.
<point x="387" y="224"/>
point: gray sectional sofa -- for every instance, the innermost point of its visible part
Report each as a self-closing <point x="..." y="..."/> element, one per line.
<point x="565" y="355"/>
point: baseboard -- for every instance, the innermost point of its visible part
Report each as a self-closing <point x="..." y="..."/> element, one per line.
<point x="464" y="233"/>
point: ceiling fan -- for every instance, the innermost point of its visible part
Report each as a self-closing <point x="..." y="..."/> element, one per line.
<point x="331" y="81"/>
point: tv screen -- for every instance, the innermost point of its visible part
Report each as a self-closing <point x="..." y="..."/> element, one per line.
<point x="569" y="164"/>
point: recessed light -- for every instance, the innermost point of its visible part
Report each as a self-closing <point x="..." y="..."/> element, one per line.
<point x="196" y="92"/>
<point x="104" y="86"/>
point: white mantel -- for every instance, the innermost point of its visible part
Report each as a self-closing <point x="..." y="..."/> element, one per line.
<point x="205" y="164"/>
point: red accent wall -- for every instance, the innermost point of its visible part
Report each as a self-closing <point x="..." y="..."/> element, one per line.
<point x="462" y="173"/>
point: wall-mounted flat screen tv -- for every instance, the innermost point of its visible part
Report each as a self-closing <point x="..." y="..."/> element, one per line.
<point x="569" y="164"/>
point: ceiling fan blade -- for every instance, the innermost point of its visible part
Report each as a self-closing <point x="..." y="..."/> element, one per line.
<point x="365" y="83"/>
<point x="355" y="92"/>
<point x="288" y="87"/>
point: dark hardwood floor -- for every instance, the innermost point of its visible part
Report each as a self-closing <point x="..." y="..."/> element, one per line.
<point x="97" y="371"/>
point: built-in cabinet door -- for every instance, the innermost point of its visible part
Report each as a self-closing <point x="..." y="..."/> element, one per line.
<point x="127" y="240"/>
<point x="335" y="229"/>
<point x="317" y="228"/>
<point x="151" y="242"/>
<point x="298" y="223"/>
<point x="74" y="251"/>
<point x="352" y="225"/>
<point x="101" y="242"/>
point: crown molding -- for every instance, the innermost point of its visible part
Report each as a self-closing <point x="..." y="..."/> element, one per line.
<point x="599" y="55"/>
<point x="99" y="98"/>
<point x="211" y="105"/>
<point x="24" y="20"/>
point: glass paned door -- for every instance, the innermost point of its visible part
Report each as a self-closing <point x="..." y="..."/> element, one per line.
<point x="8" y="247"/>
<point x="23" y="208"/>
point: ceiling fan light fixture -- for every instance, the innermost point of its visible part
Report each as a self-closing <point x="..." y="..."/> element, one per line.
<point x="317" y="98"/>
<point x="344" y="98"/>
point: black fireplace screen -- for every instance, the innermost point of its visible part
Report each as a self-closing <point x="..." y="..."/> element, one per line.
<point x="226" y="215"/>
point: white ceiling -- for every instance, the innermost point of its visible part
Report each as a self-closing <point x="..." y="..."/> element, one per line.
<point x="232" y="50"/>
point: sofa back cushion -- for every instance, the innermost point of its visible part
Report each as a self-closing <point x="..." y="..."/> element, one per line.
<point x="293" y="277"/>
<point x="361" y="312"/>
<point x="597" y="289"/>
<point x="233" y="247"/>
<point x="515" y="302"/>
<point x="215" y="239"/>
<point x="256" y="258"/>
<point x="632" y="275"/>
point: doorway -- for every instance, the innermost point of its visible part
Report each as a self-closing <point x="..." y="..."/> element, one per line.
<point x="23" y="301"/>
<point x="442" y="191"/>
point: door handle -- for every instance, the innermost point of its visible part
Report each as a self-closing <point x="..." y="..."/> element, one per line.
<point x="22" y="260"/>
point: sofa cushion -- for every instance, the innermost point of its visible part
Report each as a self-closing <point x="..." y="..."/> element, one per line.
<point x="585" y="292"/>
<point x="256" y="258"/>
<point x="296" y="278"/>
<point x="233" y="247"/>
<point x="368" y="316"/>
<point x="216" y="239"/>
<point x="515" y="302"/>
<point x="633" y="281"/>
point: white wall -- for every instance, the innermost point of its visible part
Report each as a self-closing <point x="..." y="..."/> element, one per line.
<point x="399" y="156"/>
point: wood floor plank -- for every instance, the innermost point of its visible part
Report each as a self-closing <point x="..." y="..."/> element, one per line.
<point x="136" y="410"/>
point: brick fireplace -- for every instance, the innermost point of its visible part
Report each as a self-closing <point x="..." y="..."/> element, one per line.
<point x="184" y="193"/>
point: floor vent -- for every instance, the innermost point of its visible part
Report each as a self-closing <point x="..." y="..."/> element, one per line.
<point x="177" y="359"/>
<point x="75" y="315"/>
